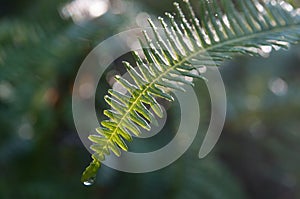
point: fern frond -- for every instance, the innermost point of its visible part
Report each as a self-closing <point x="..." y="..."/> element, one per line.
<point x="225" y="28"/>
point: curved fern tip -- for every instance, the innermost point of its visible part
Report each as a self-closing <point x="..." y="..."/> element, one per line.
<point x="89" y="175"/>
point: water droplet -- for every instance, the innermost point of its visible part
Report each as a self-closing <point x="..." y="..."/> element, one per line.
<point x="89" y="181"/>
<point x="89" y="175"/>
<point x="266" y="49"/>
<point x="202" y="69"/>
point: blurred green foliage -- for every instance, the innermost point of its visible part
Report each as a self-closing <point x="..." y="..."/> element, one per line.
<point x="41" y="155"/>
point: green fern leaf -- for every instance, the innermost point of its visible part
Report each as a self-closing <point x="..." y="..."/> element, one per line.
<point x="225" y="28"/>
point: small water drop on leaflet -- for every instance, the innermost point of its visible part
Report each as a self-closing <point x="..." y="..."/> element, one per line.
<point x="89" y="182"/>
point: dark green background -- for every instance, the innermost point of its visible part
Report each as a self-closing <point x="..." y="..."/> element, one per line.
<point x="41" y="155"/>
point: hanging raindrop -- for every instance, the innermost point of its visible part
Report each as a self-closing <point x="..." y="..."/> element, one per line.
<point x="89" y="181"/>
<point x="89" y="175"/>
